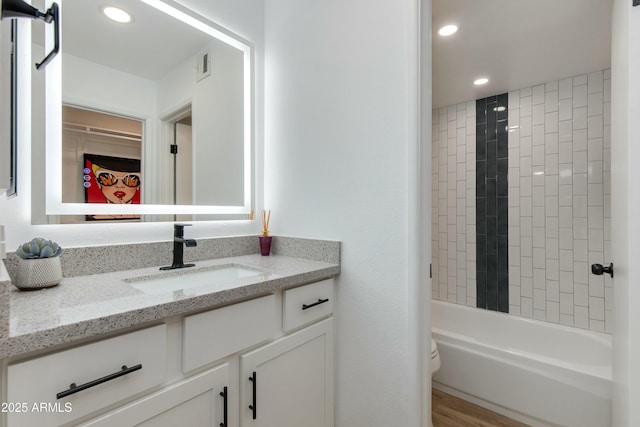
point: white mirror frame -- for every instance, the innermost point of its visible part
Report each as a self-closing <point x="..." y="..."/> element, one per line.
<point x="53" y="130"/>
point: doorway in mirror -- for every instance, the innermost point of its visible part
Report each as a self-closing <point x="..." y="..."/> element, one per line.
<point x="88" y="134"/>
<point x="182" y="151"/>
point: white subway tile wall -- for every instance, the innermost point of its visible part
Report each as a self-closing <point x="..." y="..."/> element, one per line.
<point x="454" y="203"/>
<point x="559" y="202"/>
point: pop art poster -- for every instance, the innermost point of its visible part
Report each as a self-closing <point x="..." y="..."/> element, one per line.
<point x="114" y="180"/>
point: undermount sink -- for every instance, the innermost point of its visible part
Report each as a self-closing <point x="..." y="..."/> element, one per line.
<point x="211" y="277"/>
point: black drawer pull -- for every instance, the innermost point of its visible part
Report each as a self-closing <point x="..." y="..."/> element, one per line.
<point x="254" y="406"/>
<point x="73" y="388"/>
<point x="223" y="393"/>
<point x="320" y="301"/>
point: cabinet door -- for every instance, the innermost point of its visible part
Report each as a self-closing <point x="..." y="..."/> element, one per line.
<point x="196" y="401"/>
<point x="289" y="383"/>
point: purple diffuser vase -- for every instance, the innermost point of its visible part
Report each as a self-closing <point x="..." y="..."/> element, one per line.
<point x="265" y="245"/>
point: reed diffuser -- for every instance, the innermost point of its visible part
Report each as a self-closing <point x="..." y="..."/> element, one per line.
<point x="265" y="239"/>
<point x="266" y="217"/>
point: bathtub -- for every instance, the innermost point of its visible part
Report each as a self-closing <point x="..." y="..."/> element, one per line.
<point x="536" y="372"/>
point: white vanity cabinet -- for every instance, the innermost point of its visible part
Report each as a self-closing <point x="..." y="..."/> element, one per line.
<point x="289" y="383"/>
<point x="196" y="369"/>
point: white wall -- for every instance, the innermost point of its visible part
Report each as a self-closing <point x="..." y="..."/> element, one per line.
<point x="88" y="84"/>
<point x="244" y="17"/>
<point x="341" y="163"/>
<point x="218" y="131"/>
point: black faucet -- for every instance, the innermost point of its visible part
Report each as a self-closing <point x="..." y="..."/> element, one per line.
<point x="178" y="247"/>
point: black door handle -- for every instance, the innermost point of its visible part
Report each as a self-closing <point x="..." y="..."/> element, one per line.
<point x="225" y="408"/>
<point x="254" y="406"/>
<point x="599" y="269"/>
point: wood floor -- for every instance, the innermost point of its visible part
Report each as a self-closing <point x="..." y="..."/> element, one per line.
<point x="450" y="411"/>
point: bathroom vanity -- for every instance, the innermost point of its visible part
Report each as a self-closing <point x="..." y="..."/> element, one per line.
<point x="101" y="350"/>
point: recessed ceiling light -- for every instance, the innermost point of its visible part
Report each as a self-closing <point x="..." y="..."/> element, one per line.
<point x="116" y="14"/>
<point x="481" y="81"/>
<point x="448" y="30"/>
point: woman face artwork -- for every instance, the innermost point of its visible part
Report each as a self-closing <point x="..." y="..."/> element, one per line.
<point x="117" y="187"/>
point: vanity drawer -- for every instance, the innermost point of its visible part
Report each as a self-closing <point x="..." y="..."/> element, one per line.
<point x="214" y="334"/>
<point x="306" y="304"/>
<point x="35" y="384"/>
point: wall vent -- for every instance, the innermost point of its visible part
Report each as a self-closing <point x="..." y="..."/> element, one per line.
<point x="204" y="65"/>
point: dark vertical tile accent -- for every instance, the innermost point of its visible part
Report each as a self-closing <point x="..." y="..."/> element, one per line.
<point x="481" y="141"/>
<point x="502" y="228"/>
<point x="481" y="111"/>
<point x="492" y="125"/>
<point x="492" y="283"/>
<point x="503" y="254"/>
<point x="481" y="253"/>
<point x="502" y="101"/>
<point x="481" y="174"/>
<point x="481" y="291"/>
<point x="492" y="207"/>
<point x="502" y="136"/>
<point x="491" y="185"/>
<point x="503" y="293"/>
<point x="492" y="233"/>
<point x="492" y="160"/>
<point x="481" y="212"/>
<point x="502" y="189"/>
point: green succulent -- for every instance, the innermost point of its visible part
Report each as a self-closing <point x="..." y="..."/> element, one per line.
<point x="39" y="248"/>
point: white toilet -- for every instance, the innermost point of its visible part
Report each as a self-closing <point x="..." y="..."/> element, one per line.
<point x="435" y="358"/>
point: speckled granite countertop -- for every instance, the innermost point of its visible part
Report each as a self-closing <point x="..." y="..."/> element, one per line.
<point x="92" y="305"/>
<point x="5" y="286"/>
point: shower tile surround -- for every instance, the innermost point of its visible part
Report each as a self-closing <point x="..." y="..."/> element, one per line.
<point x="558" y="202"/>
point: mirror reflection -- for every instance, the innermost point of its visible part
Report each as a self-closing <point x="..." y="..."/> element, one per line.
<point x="159" y="92"/>
<point x="101" y="156"/>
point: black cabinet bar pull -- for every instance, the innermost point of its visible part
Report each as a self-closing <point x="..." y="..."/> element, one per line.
<point x="253" y="407"/>
<point x="223" y="393"/>
<point x="320" y="301"/>
<point x="73" y="388"/>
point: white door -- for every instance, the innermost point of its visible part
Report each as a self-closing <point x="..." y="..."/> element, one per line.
<point x="184" y="169"/>
<point x="289" y="383"/>
<point x="625" y="210"/>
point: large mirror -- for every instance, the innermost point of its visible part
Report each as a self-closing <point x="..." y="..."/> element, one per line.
<point x="154" y="115"/>
<point x="8" y="108"/>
